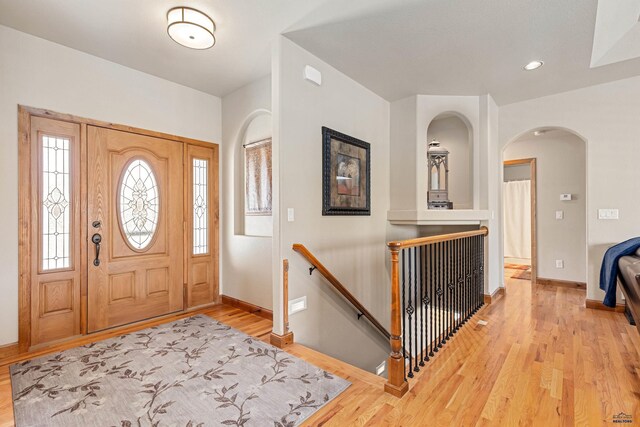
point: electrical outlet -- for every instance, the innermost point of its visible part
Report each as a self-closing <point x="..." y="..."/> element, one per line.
<point x="559" y="214"/>
<point x="290" y="215"/>
<point x="381" y="368"/>
<point x="559" y="263"/>
<point x="566" y="197"/>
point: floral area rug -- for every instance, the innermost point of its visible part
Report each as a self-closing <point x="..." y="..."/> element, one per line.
<point x="192" y="372"/>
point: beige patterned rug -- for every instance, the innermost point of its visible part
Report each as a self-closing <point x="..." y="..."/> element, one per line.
<point x="192" y="372"/>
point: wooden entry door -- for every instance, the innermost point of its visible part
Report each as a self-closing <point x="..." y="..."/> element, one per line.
<point x="135" y="227"/>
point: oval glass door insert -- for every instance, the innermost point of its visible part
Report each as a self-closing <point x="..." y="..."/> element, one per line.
<point x="139" y="204"/>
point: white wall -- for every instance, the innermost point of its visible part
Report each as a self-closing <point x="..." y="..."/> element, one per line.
<point x="453" y="135"/>
<point x="606" y="116"/>
<point x="352" y="247"/>
<point x="561" y="168"/>
<point x="245" y="260"/>
<point x="38" y="73"/>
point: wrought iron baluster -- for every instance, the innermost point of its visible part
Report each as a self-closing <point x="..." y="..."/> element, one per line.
<point x="404" y="306"/>
<point x="410" y="312"/>
<point x="422" y="308"/>
<point x="469" y="267"/>
<point x="477" y="273"/>
<point x="465" y="251"/>
<point x="459" y="281"/>
<point x="472" y="290"/>
<point x="439" y="294"/>
<point x="436" y="336"/>
<point x="482" y="267"/>
<point x="450" y="289"/>
<point x="432" y="278"/>
<point x="469" y="277"/>
<point x="443" y="301"/>
<point x="424" y="251"/>
<point x="417" y="300"/>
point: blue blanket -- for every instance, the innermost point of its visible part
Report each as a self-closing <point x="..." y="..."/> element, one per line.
<point x="609" y="269"/>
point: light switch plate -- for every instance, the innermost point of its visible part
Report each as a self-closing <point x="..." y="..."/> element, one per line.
<point x="290" y="215"/>
<point x="559" y="214"/>
<point x="608" y="214"/>
<point x="559" y="263"/>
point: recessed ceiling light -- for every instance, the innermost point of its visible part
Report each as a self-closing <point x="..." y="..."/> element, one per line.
<point x="533" y="65"/>
<point x="191" y="28"/>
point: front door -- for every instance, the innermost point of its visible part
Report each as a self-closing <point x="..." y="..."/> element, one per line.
<point x="135" y="227"/>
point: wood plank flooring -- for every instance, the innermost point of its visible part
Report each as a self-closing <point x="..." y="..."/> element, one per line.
<point x="543" y="359"/>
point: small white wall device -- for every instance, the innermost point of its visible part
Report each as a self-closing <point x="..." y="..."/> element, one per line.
<point x="313" y="75"/>
<point x="298" y="304"/>
<point x="608" y="214"/>
<point x="566" y="197"/>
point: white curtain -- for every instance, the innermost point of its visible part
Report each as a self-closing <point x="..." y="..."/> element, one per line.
<point x="517" y="219"/>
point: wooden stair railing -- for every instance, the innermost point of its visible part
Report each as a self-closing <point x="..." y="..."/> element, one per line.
<point x="302" y="250"/>
<point x="437" y="285"/>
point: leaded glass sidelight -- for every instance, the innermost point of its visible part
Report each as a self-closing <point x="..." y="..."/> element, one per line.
<point x="55" y="199"/>
<point x="200" y="207"/>
<point x="139" y="204"/>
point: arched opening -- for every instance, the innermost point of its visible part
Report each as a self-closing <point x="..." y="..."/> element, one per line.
<point x="454" y="132"/>
<point x="544" y="202"/>
<point x="253" y="177"/>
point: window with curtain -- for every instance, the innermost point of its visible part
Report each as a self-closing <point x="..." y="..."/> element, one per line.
<point x="257" y="158"/>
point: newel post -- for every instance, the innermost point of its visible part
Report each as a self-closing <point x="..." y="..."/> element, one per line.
<point x="396" y="384"/>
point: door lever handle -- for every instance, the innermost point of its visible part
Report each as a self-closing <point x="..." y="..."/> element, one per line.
<point x="96" y="239"/>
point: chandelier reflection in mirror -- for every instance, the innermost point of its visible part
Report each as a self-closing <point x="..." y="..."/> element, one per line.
<point x="438" y="181"/>
<point x="139" y="203"/>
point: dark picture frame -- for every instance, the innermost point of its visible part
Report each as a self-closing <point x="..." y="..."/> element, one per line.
<point x="346" y="174"/>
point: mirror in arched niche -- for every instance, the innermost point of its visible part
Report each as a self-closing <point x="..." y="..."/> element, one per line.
<point x="453" y="131"/>
<point x="253" y="177"/>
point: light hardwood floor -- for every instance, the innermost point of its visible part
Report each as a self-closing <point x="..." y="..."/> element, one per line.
<point x="542" y="359"/>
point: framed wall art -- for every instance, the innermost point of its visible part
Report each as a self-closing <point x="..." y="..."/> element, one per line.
<point x="346" y="174"/>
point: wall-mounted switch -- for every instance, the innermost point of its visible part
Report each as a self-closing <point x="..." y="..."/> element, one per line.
<point x="559" y="214"/>
<point x="559" y="263"/>
<point x="298" y="304"/>
<point x="290" y="215"/>
<point x="566" y="197"/>
<point x="608" y="214"/>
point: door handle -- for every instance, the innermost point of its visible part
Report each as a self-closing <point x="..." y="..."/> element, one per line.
<point x="96" y="239"/>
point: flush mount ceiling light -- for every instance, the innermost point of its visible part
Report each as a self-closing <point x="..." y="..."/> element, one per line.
<point x="191" y="28"/>
<point x="539" y="132"/>
<point x="533" y="65"/>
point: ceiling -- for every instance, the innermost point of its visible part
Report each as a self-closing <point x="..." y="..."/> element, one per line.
<point x="463" y="47"/>
<point x="396" y="48"/>
<point x="134" y="33"/>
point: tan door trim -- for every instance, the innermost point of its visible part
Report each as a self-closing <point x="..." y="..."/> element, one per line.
<point x="26" y="202"/>
<point x="534" y="220"/>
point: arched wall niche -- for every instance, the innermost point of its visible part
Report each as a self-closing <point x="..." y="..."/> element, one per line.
<point x="257" y="126"/>
<point x="468" y="110"/>
<point x="455" y="132"/>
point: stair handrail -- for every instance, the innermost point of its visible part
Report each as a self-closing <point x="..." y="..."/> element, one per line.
<point x="302" y="250"/>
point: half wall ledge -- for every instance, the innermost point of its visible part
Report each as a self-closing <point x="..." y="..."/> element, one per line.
<point x="438" y="217"/>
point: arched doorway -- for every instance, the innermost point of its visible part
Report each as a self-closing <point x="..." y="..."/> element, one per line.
<point x="543" y="195"/>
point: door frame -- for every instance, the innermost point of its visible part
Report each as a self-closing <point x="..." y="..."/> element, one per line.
<point x="534" y="220"/>
<point x="26" y="201"/>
